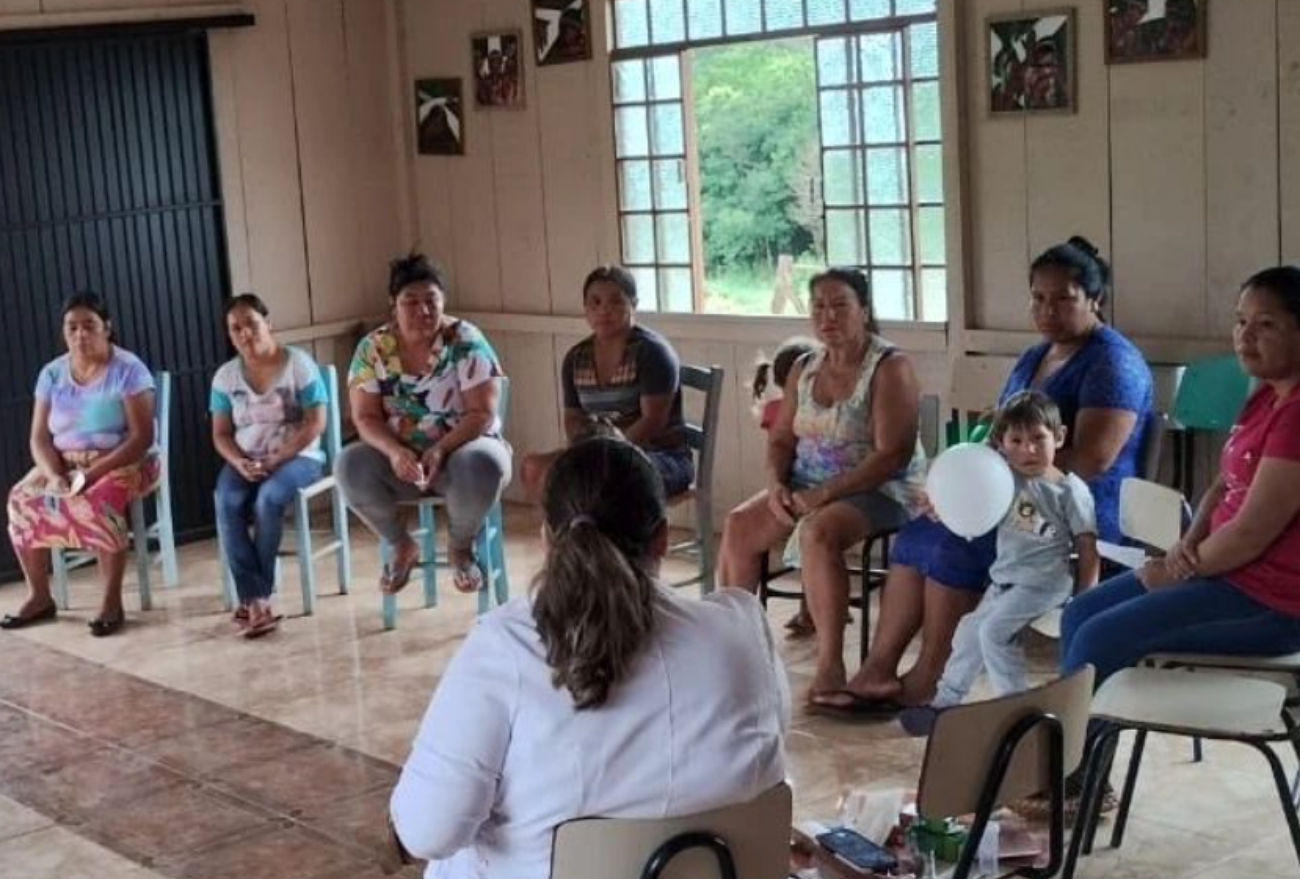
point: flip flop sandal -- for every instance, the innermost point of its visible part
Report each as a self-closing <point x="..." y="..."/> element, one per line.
<point x="102" y="627"/>
<point x="265" y="627"/>
<point x="468" y="577"/>
<point x="394" y="580"/>
<point x="240" y="616"/>
<point x="859" y="707"/>
<point x="800" y="626"/>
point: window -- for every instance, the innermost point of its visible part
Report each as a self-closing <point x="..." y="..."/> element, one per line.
<point x="867" y="190"/>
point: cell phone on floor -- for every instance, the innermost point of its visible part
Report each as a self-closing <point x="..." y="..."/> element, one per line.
<point x="856" y="850"/>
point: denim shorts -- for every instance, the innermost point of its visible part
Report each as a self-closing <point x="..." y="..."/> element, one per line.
<point x="944" y="557"/>
<point x="676" y="468"/>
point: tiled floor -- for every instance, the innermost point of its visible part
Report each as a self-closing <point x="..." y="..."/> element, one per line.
<point x="175" y="749"/>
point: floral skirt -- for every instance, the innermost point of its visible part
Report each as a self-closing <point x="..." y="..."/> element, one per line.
<point x="96" y="520"/>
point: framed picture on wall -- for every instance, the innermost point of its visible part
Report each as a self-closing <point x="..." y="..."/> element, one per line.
<point x="1030" y="62"/>
<point x="1154" y="30"/>
<point x="562" y="31"/>
<point x="498" y="69"/>
<point x="439" y="117"/>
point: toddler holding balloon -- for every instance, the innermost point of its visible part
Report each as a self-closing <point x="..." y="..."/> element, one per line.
<point x="1051" y="514"/>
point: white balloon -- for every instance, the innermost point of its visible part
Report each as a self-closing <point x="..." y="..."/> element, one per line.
<point x="971" y="488"/>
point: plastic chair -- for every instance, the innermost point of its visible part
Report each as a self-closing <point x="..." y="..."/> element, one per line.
<point x="983" y="755"/>
<point x="489" y="545"/>
<point x="1210" y="395"/>
<point x="162" y="530"/>
<point x="749" y="840"/>
<point x="305" y="549"/>
<point x="702" y="438"/>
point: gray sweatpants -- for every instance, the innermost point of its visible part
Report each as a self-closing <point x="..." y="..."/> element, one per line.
<point x="471" y="480"/>
<point x="989" y="638"/>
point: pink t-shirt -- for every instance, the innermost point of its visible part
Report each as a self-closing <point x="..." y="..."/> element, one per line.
<point x="1263" y="431"/>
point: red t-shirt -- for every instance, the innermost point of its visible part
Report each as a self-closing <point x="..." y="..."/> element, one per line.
<point x="1263" y="431"/>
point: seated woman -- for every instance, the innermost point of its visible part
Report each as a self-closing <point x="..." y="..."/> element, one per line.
<point x="268" y="413"/>
<point x="624" y="373"/>
<point x="600" y="694"/>
<point x="1102" y="385"/>
<point x="423" y="393"/>
<point x="1232" y="584"/>
<point x="844" y="460"/>
<point x="92" y="431"/>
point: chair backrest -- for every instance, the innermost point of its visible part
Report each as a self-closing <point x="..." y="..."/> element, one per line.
<point x="964" y="746"/>
<point x="757" y="833"/>
<point x="929" y="424"/>
<point x="1151" y="513"/>
<point x="332" y="442"/>
<point x="703" y="437"/>
<point x="1153" y="444"/>
<point x="1211" y="394"/>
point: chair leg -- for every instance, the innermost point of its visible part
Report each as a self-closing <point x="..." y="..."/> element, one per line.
<point x="228" y="594"/>
<point x="59" y="562"/>
<point x="388" y="602"/>
<point x="1198" y="750"/>
<point x="1092" y="785"/>
<point x="501" y="582"/>
<point x="1090" y="810"/>
<point x="764" y="575"/>
<point x="704" y="533"/>
<point x="306" y="564"/>
<point x="483" y="552"/>
<point x="167" y="537"/>
<point x="140" y="529"/>
<point x="1283" y="792"/>
<point x="429" y="554"/>
<point x="341" y="535"/>
<point x="1130" y="785"/>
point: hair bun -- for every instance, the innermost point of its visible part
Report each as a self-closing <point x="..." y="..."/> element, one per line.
<point x="1084" y="244"/>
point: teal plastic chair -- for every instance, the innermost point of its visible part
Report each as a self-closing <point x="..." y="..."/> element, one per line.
<point x="1210" y="395"/>
<point x="307" y="552"/>
<point x="162" y="531"/>
<point x="489" y="546"/>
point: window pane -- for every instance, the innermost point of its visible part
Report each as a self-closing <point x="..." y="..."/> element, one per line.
<point x="638" y="238"/>
<point x="825" y="11"/>
<point x="881" y="57"/>
<point x="631" y="23"/>
<point x="925" y="109"/>
<point x="670" y="184"/>
<point x="844" y="238"/>
<point x="629" y="81"/>
<point x="647" y="296"/>
<point x="832" y="62"/>
<point x="930" y="223"/>
<point x="934" y="294"/>
<point x="675" y="285"/>
<point x="744" y="16"/>
<point x="891" y="240"/>
<point x="783" y="14"/>
<point x="929" y="173"/>
<point x="704" y="19"/>
<point x="882" y="115"/>
<point x="862" y="10"/>
<point x="674" y="238"/>
<point x="887" y="176"/>
<point x="913" y="7"/>
<point x="631" y="135"/>
<point x="842" y="179"/>
<point x="665" y="76"/>
<point x="667" y="21"/>
<point x="836" y="128"/>
<point x="667" y="129"/>
<point x="634" y="186"/>
<point x="923" y="43"/>
<point x="891" y="294"/>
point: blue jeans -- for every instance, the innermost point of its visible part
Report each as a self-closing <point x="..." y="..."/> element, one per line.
<point x="251" y="556"/>
<point x="1116" y="624"/>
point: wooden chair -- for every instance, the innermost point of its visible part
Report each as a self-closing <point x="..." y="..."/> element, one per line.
<point x="749" y="840"/>
<point x="162" y="530"/>
<point x="305" y="549"/>
<point x="983" y="755"/>
<point x="702" y="438"/>
<point x="489" y="545"/>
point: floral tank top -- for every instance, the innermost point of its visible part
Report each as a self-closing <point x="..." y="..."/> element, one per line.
<point x="836" y="438"/>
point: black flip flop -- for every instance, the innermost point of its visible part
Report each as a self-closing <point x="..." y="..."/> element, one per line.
<point x="102" y="627"/>
<point x="859" y="707"/>
<point x="12" y="621"/>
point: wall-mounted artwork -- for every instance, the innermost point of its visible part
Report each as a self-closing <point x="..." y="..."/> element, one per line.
<point x="1154" y="30"/>
<point x="562" y="31"/>
<point x="498" y="69"/>
<point x="1031" y="63"/>
<point x="439" y="117"/>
